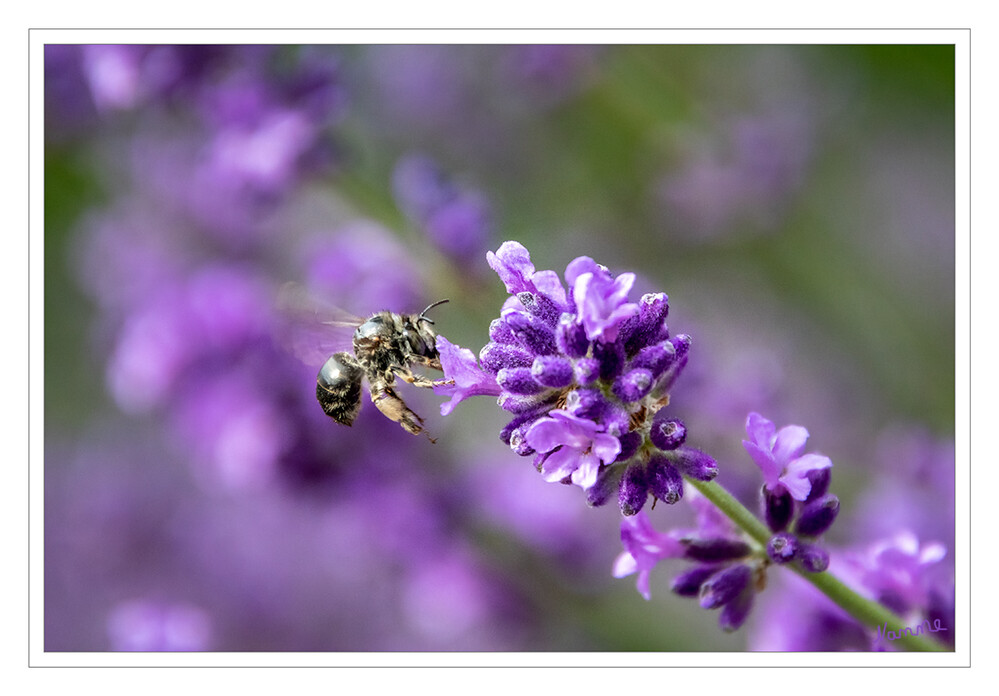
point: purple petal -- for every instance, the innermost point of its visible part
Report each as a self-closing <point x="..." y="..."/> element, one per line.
<point x="579" y="266"/>
<point x="624" y="564"/>
<point x="512" y="263"/>
<point x="795" y="477"/>
<point x="642" y="585"/>
<point x="560" y="464"/>
<point x="760" y="430"/>
<point x="790" y="443"/>
<point x="606" y="447"/>
<point x="620" y="288"/>
<point x="460" y="365"/>
<point x="586" y="472"/>
<point x="548" y="284"/>
<point x="545" y="434"/>
<point x="765" y="460"/>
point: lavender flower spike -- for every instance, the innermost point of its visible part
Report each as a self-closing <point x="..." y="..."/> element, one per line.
<point x="461" y="366"/>
<point x="577" y="447"/>
<point x="779" y="454"/>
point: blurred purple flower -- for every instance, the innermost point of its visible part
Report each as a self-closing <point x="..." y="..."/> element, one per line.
<point x="898" y="570"/>
<point x="747" y="175"/>
<point x="456" y="220"/>
<point x="148" y="626"/>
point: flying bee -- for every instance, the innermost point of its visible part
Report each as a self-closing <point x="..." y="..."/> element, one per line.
<point x="386" y="345"/>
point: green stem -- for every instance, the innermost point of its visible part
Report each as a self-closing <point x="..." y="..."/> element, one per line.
<point x="864" y="610"/>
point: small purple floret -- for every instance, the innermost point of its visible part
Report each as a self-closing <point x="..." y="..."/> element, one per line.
<point x="780" y="456"/>
<point x="577" y="445"/>
<point x="460" y="365"/>
<point x="643" y="548"/>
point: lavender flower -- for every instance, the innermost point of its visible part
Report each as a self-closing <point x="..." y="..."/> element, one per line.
<point x="467" y="378"/>
<point x="724" y="564"/>
<point x="574" y="446"/>
<point x="643" y="548"/>
<point x="586" y="374"/>
<point x="780" y="456"/>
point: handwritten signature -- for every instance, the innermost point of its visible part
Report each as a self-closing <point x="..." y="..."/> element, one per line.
<point x="884" y="632"/>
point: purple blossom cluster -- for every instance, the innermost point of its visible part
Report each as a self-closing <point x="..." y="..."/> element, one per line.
<point x="586" y="374"/>
<point x="796" y="504"/>
<point x="729" y="568"/>
<point x="726" y="573"/>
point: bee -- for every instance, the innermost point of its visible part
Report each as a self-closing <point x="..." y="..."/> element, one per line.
<point x="386" y="345"/>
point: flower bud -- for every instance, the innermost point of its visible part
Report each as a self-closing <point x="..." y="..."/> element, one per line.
<point x="611" y="357"/>
<point x="649" y="326"/>
<point x="735" y="613"/>
<point x="552" y="371"/>
<point x="813" y="559"/>
<point x="500" y="332"/>
<point x="688" y="584"/>
<point x="665" y="482"/>
<point x="817" y="516"/>
<point x="667" y="433"/>
<point x="607" y="486"/>
<point x="495" y="356"/>
<point x="819" y="478"/>
<point x="695" y="463"/>
<point x="530" y="332"/>
<point x="715" y="550"/>
<point x="634" y="489"/>
<point x="541" y="307"/>
<point x="655" y="358"/>
<point x="570" y="337"/>
<point x="724" y="586"/>
<point x="782" y="548"/>
<point x="778" y="507"/>
<point x="518" y="380"/>
<point x="630" y="442"/>
<point x="633" y="385"/>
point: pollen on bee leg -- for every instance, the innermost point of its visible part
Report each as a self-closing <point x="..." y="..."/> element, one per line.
<point x="395" y="409"/>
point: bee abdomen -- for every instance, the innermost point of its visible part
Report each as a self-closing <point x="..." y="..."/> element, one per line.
<point x="338" y="387"/>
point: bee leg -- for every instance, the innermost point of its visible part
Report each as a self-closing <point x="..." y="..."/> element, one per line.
<point x="432" y="363"/>
<point x="394" y="408"/>
<point x="419" y="380"/>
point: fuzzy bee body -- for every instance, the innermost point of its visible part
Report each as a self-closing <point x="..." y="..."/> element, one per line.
<point x="386" y="345"/>
<point x="351" y="349"/>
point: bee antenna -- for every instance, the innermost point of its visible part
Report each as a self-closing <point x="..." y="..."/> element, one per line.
<point x="429" y="307"/>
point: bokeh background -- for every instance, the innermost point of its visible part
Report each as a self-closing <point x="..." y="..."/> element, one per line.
<point x="795" y="202"/>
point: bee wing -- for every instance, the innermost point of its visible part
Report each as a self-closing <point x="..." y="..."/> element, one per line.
<point x="311" y="329"/>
